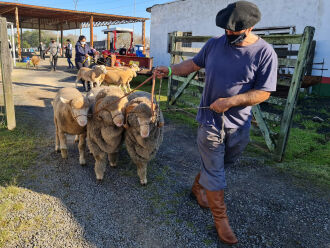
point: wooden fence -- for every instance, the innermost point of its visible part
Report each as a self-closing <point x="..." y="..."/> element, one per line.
<point x="7" y="108"/>
<point x="292" y="66"/>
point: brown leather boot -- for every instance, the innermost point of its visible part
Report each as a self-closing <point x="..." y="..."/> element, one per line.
<point x="199" y="193"/>
<point x="219" y="212"/>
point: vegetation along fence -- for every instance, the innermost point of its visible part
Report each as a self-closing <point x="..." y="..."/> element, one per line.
<point x="7" y="109"/>
<point x="274" y="117"/>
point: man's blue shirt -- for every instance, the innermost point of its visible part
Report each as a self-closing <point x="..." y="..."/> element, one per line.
<point x="232" y="70"/>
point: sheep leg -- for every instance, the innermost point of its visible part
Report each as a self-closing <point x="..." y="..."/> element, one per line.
<point x="77" y="80"/>
<point x="63" y="146"/>
<point x="76" y="139"/>
<point x="113" y="159"/>
<point x="142" y="173"/>
<point x="57" y="140"/>
<point x="124" y="88"/>
<point x="100" y="165"/>
<point x="82" y="147"/>
<point x="129" y="87"/>
<point x="86" y="85"/>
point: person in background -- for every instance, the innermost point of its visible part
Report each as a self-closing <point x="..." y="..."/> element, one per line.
<point x="68" y="53"/>
<point x="82" y="52"/>
<point x="54" y="50"/>
<point x="41" y="49"/>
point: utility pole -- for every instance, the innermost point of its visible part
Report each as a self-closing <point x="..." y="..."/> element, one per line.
<point x="134" y="14"/>
<point x="75" y="2"/>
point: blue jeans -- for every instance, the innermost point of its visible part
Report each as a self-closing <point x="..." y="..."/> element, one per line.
<point x="70" y="63"/>
<point x="216" y="156"/>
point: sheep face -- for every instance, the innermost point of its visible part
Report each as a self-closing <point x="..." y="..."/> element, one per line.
<point x="79" y="109"/>
<point x="143" y="115"/>
<point x="113" y="112"/>
<point x="144" y="124"/>
<point x="100" y="68"/>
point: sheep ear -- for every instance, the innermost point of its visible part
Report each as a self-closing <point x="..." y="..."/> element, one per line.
<point x="130" y="108"/>
<point x="65" y="100"/>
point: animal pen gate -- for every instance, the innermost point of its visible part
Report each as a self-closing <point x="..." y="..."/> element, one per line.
<point x="274" y="118"/>
<point x="7" y="110"/>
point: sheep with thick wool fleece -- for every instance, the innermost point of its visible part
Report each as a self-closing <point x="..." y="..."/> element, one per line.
<point x="144" y="131"/>
<point x="105" y="128"/>
<point x="70" y="117"/>
<point x="121" y="76"/>
<point x="94" y="75"/>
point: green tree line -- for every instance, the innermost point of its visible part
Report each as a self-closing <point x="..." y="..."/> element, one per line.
<point x="30" y="38"/>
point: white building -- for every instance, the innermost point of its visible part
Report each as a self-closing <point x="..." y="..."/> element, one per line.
<point x="198" y="17"/>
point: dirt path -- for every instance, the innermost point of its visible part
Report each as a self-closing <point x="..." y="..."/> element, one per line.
<point x="266" y="207"/>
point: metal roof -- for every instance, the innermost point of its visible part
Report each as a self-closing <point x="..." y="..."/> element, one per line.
<point x="119" y="30"/>
<point x="54" y="18"/>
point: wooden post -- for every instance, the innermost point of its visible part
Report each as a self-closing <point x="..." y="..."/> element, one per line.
<point x="39" y="30"/>
<point x="108" y="38"/>
<point x="91" y="31"/>
<point x="6" y="68"/>
<point x="18" y="35"/>
<point x="62" y="40"/>
<point x="144" y="36"/>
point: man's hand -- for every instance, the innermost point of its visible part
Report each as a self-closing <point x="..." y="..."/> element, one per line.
<point x="221" y="105"/>
<point x="161" y="71"/>
<point x="86" y="55"/>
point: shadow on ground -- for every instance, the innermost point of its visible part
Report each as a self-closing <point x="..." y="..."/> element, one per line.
<point x="266" y="208"/>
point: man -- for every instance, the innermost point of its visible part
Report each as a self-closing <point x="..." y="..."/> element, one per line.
<point x="82" y="52"/>
<point x="241" y="71"/>
<point x="54" y="50"/>
<point x="41" y="48"/>
<point x="68" y="53"/>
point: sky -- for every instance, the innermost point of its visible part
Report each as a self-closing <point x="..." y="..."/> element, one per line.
<point x="117" y="7"/>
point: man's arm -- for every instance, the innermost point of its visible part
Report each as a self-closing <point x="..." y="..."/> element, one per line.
<point x="252" y="97"/>
<point x="184" y="68"/>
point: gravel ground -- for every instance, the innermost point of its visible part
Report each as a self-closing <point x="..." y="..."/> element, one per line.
<point x="266" y="207"/>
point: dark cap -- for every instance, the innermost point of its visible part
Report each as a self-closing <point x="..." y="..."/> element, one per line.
<point x="238" y="16"/>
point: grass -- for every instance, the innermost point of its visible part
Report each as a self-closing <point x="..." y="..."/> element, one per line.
<point x="17" y="154"/>
<point x="308" y="151"/>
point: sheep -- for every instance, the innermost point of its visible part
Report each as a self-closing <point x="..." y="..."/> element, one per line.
<point x="121" y="76"/>
<point x="70" y="117"/>
<point x="93" y="75"/>
<point x="144" y="131"/>
<point x="105" y="128"/>
<point x="35" y="60"/>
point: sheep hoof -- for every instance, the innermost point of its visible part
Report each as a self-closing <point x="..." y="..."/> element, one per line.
<point x="57" y="149"/>
<point x="64" y="153"/>
<point x="143" y="182"/>
<point x="99" y="181"/>
<point x="82" y="161"/>
<point x="113" y="165"/>
<point x="76" y="139"/>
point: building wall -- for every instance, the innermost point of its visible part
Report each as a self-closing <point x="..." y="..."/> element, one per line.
<point x="198" y="16"/>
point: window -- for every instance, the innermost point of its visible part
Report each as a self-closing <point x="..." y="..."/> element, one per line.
<point x="186" y="44"/>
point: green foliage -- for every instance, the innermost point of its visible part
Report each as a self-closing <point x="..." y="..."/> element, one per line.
<point x="30" y="38"/>
<point x="17" y="153"/>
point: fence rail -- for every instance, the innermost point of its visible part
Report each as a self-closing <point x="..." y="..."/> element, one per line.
<point x="294" y="71"/>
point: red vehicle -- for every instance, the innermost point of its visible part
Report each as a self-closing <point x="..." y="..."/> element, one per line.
<point x="127" y="56"/>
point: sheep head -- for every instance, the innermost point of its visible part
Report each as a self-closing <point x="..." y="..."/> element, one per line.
<point x="135" y="67"/>
<point x="110" y="105"/>
<point x="79" y="108"/>
<point x="139" y="113"/>
<point x="100" y="69"/>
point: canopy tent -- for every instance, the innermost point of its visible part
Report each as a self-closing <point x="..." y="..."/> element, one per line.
<point x="45" y="18"/>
